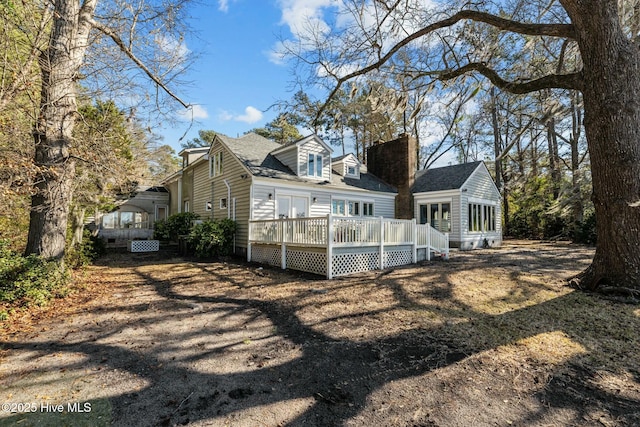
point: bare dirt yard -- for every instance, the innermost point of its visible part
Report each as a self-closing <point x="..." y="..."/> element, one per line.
<point x="488" y="338"/>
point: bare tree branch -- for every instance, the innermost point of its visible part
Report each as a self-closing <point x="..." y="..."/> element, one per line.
<point x="559" y="81"/>
<point x="531" y="29"/>
<point x="118" y="41"/>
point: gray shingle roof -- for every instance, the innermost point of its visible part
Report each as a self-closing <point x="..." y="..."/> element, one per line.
<point x="444" y="178"/>
<point x="254" y="151"/>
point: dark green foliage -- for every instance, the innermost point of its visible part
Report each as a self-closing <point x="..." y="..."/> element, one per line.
<point x="86" y="252"/>
<point x="528" y="206"/>
<point x="176" y="225"/>
<point x="29" y="280"/>
<point x="586" y="231"/>
<point x="281" y="130"/>
<point x="213" y="238"/>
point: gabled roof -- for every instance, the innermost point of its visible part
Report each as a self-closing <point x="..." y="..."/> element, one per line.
<point x="256" y="154"/>
<point x="194" y="150"/>
<point x="444" y="178"/>
<point x="301" y="141"/>
<point x="344" y="156"/>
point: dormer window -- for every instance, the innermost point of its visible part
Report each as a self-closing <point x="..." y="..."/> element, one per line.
<point x="351" y="170"/>
<point x="315" y="165"/>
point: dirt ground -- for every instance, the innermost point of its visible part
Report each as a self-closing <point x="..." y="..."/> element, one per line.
<point x="489" y="338"/>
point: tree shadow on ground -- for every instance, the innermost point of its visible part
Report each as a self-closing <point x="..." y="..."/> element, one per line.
<point x="334" y="378"/>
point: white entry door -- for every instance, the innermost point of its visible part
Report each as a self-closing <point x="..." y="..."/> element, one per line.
<point x="299" y="207"/>
<point x="292" y="206"/>
<point x="284" y="206"/>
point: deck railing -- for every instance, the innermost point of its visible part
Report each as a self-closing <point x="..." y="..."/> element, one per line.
<point x="338" y="233"/>
<point x="347" y="232"/>
<point x="298" y="231"/>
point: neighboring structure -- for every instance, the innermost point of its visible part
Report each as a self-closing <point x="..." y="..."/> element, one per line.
<point x="253" y="178"/>
<point x="134" y="217"/>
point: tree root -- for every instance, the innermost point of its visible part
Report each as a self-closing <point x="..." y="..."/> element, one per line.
<point x="578" y="283"/>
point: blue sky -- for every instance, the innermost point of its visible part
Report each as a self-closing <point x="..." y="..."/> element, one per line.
<point x="236" y="78"/>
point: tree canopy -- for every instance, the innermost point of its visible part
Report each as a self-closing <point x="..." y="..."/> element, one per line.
<point x="559" y="46"/>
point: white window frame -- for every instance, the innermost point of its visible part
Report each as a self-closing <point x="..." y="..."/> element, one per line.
<point x="356" y="204"/>
<point x="185" y="206"/>
<point x="484" y="213"/>
<point x="429" y="217"/>
<point x="215" y="165"/>
<point x="224" y="203"/>
<point x="315" y="161"/>
<point x="335" y="203"/>
<point x="368" y="209"/>
<point x="207" y="206"/>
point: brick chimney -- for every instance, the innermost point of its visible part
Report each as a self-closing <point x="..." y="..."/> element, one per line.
<point x="395" y="163"/>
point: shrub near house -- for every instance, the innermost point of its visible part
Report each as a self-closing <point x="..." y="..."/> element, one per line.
<point x="213" y="238"/>
<point x="176" y="225"/>
<point x="26" y="281"/>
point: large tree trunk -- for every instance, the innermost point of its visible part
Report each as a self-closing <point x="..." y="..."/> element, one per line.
<point x="577" y="207"/>
<point x="53" y="131"/>
<point x="612" y="125"/>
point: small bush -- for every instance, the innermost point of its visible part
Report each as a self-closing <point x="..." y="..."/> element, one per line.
<point x="174" y="226"/>
<point x="29" y="280"/>
<point x="86" y="252"/>
<point x="213" y="238"/>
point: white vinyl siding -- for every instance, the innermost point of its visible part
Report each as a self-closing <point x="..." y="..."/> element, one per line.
<point x="263" y="208"/>
<point x="319" y="153"/>
<point x="289" y="158"/>
<point x="480" y="190"/>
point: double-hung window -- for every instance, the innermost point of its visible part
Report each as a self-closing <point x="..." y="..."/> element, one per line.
<point x="314" y="166"/>
<point x="367" y="209"/>
<point x="215" y="164"/>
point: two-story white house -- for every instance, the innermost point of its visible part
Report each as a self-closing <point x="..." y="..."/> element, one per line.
<point x="253" y="178"/>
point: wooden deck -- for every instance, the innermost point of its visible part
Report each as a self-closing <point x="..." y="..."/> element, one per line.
<point x="336" y="246"/>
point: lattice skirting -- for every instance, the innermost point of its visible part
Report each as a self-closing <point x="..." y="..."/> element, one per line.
<point x="309" y="261"/>
<point x="344" y="260"/>
<point x="266" y="254"/>
<point x="350" y="263"/>
<point x="394" y="258"/>
<point x="143" y="245"/>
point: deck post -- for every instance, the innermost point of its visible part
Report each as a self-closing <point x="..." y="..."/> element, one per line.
<point x="414" y="238"/>
<point x="283" y="246"/>
<point x="446" y="246"/>
<point x="428" y="242"/>
<point x="329" y="246"/>
<point x="381" y="234"/>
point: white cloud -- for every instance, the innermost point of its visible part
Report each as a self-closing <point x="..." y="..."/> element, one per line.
<point x="223" y="5"/>
<point x="251" y="115"/>
<point x="303" y="15"/>
<point x="172" y="47"/>
<point x="195" y="112"/>
<point x="311" y="23"/>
